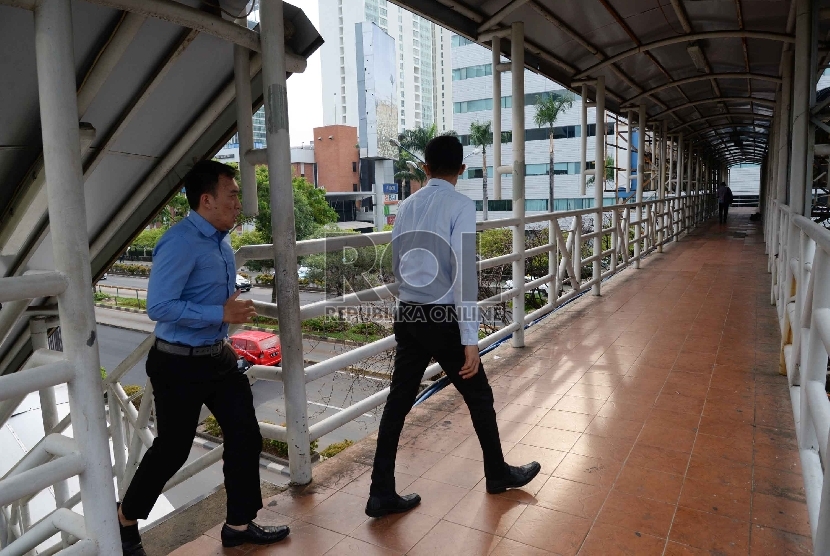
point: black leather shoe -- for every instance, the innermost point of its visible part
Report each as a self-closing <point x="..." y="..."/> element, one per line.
<point x="254" y="534"/>
<point x="516" y="477"/>
<point x="379" y="506"/>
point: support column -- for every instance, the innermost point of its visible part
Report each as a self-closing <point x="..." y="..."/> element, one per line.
<point x="245" y="127"/>
<point x="517" y="55"/>
<point x="496" y="52"/>
<point x="800" y="190"/>
<point x="282" y="222"/>
<point x="783" y="136"/>
<point x="689" y="199"/>
<point x="583" y="141"/>
<point x="599" y="181"/>
<point x="55" y="62"/>
<point x="629" y="149"/>
<point x="641" y="178"/>
<point x="661" y="192"/>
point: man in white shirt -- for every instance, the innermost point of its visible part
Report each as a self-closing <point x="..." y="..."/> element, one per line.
<point x="433" y="257"/>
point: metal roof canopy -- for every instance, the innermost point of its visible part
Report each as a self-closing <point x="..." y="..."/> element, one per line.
<point x="711" y="67"/>
<point x="155" y="94"/>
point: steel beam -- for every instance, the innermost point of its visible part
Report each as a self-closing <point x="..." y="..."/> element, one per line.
<point x="710" y="35"/>
<point x="282" y="221"/>
<point x="67" y="217"/>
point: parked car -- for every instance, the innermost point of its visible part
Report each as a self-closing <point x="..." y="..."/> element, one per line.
<point x="258" y="348"/>
<point x="243" y="283"/>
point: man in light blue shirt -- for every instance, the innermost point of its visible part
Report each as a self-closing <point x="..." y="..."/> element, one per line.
<point x="191" y="296"/>
<point x="434" y="260"/>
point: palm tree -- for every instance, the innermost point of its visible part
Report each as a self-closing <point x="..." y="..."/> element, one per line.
<point x="547" y="111"/>
<point x="415" y="142"/>
<point x="481" y="135"/>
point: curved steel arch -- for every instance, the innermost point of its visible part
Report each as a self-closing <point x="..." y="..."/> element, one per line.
<point x="761" y="101"/>
<point x="702" y="77"/>
<point x="685" y="38"/>
<point x="718" y="116"/>
<point x="725" y="126"/>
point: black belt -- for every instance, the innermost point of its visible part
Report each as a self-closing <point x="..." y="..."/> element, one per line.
<point x="178" y="349"/>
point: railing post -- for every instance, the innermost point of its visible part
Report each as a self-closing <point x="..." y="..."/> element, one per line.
<point x="496" y="53"/>
<point x="517" y="55"/>
<point x="599" y="181"/>
<point x="70" y="240"/>
<point x="245" y="125"/>
<point x="282" y="222"/>
<point x="641" y="178"/>
<point x="800" y="190"/>
<point x="661" y="193"/>
<point x="583" y="140"/>
<point x="615" y="238"/>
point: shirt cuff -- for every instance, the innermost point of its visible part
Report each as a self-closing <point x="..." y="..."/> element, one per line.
<point x="469" y="333"/>
<point x="213" y="314"/>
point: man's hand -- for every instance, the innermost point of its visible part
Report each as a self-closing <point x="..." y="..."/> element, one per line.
<point x="238" y="311"/>
<point x="471" y="362"/>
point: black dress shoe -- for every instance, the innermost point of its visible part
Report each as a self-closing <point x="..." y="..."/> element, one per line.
<point x="516" y="477"/>
<point x="379" y="506"/>
<point x="254" y="534"/>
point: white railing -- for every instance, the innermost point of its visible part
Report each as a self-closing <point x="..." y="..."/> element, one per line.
<point x="799" y="251"/>
<point x="130" y="429"/>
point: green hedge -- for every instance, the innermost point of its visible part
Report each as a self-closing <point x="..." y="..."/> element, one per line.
<point x="130" y="269"/>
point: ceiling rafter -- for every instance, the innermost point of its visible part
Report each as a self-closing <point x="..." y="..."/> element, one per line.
<point x="745" y="100"/>
<point x="710" y="35"/>
<point x="752" y="115"/>
<point x="712" y="76"/>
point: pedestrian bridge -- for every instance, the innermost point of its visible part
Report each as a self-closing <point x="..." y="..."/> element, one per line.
<point x="657" y="411"/>
<point x="673" y="384"/>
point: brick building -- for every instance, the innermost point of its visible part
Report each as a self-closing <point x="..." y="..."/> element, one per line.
<point x="337" y="158"/>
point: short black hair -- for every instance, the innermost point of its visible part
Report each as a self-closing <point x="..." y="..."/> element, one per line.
<point x="203" y="178"/>
<point x="444" y="155"/>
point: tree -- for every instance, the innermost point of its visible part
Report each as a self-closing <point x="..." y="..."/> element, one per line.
<point x="481" y="135"/>
<point x="415" y="141"/>
<point x="548" y="109"/>
<point x="609" y="170"/>
<point x="311" y="210"/>
<point x="173" y="211"/>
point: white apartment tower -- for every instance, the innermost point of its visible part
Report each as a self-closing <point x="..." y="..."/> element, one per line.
<point x="472" y="75"/>
<point x="424" y="69"/>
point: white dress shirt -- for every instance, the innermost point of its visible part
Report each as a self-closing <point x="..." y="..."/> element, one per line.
<point x="434" y="252"/>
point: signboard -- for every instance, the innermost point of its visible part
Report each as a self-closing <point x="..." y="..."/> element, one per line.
<point x="389" y="199"/>
<point x="390" y="219"/>
<point x="390" y="209"/>
<point x="390" y="188"/>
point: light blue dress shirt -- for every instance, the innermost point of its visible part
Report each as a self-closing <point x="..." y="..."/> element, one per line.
<point x="194" y="274"/>
<point x="434" y="252"/>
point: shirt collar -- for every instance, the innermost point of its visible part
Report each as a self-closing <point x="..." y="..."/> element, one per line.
<point x="439" y="182"/>
<point x="205" y="227"/>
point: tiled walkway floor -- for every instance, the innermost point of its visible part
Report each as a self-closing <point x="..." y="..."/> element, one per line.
<point x="656" y="411"/>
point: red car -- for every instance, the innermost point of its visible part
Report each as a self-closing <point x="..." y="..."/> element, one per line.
<point x="258" y="348"/>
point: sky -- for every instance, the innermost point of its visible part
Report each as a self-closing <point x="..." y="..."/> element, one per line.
<point x="305" y="90"/>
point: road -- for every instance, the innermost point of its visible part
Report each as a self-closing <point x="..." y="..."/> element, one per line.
<point x="325" y="396"/>
<point x="257" y="293"/>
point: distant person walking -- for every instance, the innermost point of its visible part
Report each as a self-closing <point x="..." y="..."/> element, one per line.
<point x="724" y="200"/>
<point x="434" y="260"/>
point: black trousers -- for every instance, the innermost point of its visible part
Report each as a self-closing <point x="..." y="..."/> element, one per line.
<point x="181" y="384"/>
<point x="723" y="211"/>
<point x="418" y="342"/>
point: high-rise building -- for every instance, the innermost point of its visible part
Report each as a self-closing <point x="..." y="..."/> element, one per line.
<point x="472" y="94"/>
<point x="422" y="58"/>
